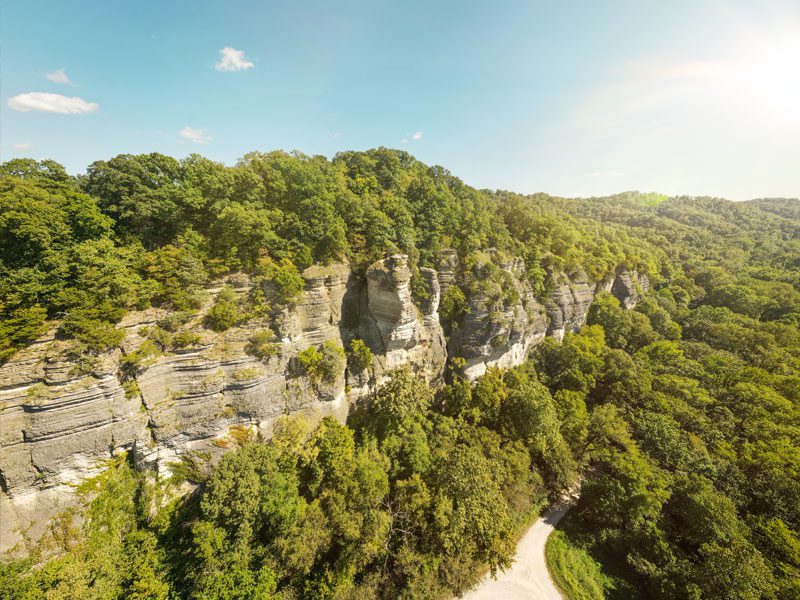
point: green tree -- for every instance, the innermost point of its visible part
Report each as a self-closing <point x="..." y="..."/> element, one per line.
<point x="225" y="313"/>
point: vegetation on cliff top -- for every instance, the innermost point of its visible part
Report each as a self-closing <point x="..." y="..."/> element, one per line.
<point x="141" y="230"/>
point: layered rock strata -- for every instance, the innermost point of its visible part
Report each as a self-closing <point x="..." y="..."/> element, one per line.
<point x="568" y="304"/>
<point x="496" y="332"/>
<point x="61" y="419"/>
<point x="394" y="328"/>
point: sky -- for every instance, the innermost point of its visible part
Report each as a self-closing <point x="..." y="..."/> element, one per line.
<point x="573" y="98"/>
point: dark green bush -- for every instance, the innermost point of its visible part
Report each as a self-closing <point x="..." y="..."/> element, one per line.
<point x="359" y="356"/>
<point x="97" y="335"/>
<point x="453" y="306"/>
<point x="22" y="327"/>
<point x="225" y="312"/>
<point x="281" y="281"/>
<point x="184" y="339"/>
<point x="325" y="364"/>
<point x="174" y="320"/>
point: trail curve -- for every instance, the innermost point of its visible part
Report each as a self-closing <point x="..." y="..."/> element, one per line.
<point x="528" y="577"/>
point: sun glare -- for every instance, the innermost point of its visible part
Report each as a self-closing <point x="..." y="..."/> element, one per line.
<point x="768" y="75"/>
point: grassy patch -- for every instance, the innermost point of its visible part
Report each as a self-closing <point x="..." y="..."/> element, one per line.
<point x="573" y="569"/>
<point x="580" y="572"/>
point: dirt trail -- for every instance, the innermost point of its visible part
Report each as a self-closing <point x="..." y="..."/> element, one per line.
<point x="528" y="577"/>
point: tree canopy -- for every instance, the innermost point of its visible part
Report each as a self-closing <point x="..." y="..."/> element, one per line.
<point x="681" y="416"/>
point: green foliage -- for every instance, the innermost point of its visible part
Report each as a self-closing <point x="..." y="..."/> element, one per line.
<point x="405" y="397"/>
<point x="46" y="172"/>
<point x="193" y="468"/>
<point x="574" y="364"/>
<point x="263" y="345"/>
<point x="131" y="363"/>
<point x="112" y="558"/>
<point x="310" y="360"/>
<point x="687" y="444"/>
<point x="184" y="339"/>
<point x="623" y="329"/>
<point x="174" y="320"/>
<point x="250" y="496"/>
<point x="21" y="327"/>
<point x="159" y="335"/>
<point x="477" y="515"/>
<point x="225" y="312"/>
<point x="324" y="364"/>
<point x="574" y="417"/>
<point x="176" y="275"/>
<point x="333" y="361"/>
<point x="453" y="306"/>
<point x="581" y="569"/>
<point x="573" y="569"/>
<point x="96" y="334"/>
<point x="485" y="279"/>
<point x="529" y="415"/>
<point x="359" y="356"/>
<point x="280" y="281"/>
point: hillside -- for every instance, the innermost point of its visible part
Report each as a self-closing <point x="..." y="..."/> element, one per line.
<point x="360" y="378"/>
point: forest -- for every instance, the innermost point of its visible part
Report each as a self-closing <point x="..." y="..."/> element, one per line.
<point x="680" y="417"/>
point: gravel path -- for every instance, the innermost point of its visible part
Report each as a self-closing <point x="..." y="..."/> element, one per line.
<point x="528" y="577"/>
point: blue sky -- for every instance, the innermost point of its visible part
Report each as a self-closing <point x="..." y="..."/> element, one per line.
<point x="572" y="98"/>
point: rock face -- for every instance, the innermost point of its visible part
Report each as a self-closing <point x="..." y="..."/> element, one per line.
<point x="494" y="334"/>
<point x="62" y="419"/>
<point x="568" y="305"/>
<point x="60" y="422"/>
<point x="497" y="333"/>
<point x="52" y="438"/>
<point x="395" y="330"/>
<point x="628" y="287"/>
<point x="446" y="268"/>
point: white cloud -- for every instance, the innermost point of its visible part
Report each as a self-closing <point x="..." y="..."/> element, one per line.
<point x="196" y="136"/>
<point x="59" y="76"/>
<point x="54" y="103"/>
<point x="23" y="146"/>
<point x="417" y="135"/>
<point x="232" y="60"/>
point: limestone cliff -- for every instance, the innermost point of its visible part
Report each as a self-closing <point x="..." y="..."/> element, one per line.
<point x="568" y="303"/>
<point x="499" y="330"/>
<point x="394" y="328"/>
<point x="62" y="418"/>
<point x="499" y="333"/>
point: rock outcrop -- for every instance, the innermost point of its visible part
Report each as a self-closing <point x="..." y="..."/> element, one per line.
<point x="394" y="328"/>
<point x="446" y="268"/>
<point x="62" y="418"/>
<point x="497" y="332"/>
<point x="628" y="287"/>
<point x="54" y="433"/>
<point x="568" y="304"/>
